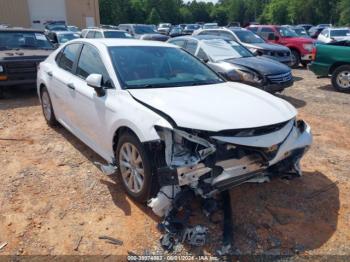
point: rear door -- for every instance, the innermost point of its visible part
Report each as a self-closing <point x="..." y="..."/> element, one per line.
<point x="59" y="84"/>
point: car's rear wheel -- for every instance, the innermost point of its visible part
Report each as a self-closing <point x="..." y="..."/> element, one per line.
<point x="341" y="78"/>
<point x="295" y="59"/>
<point x="47" y="108"/>
<point x="134" y="167"/>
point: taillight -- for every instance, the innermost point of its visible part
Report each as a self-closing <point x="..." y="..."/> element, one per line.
<point x="314" y="53"/>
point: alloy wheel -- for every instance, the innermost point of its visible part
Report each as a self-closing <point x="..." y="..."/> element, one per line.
<point x="343" y="79"/>
<point x="131" y="167"/>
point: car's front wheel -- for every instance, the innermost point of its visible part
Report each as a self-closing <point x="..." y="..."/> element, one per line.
<point x="134" y="167"/>
<point x="47" y="108"/>
<point x="341" y="78"/>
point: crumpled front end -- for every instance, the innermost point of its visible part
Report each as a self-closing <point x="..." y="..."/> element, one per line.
<point x="209" y="163"/>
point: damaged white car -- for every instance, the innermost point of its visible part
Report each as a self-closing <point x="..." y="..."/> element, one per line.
<point x="166" y="121"/>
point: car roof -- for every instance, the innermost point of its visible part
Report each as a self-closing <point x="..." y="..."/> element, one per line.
<point x="122" y="42"/>
<point x="65" y="33"/>
<point x="20" y="29"/>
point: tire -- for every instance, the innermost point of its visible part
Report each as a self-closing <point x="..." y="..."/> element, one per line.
<point x="2" y="95"/>
<point x="47" y="108"/>
<point x="134" y="167"/>
<point x="341" y="78"/>
<point x="304" y="64"/>
<point x="295" y="59"/>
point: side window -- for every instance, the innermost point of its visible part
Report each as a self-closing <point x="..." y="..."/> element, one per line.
<point x="265" y="32"/>
<point x="191" y="47"/>
<point x="90" y="63"/>
<point x="66" y="58"/>
<point x="91" y="34"/>
<point x="202" y="55"/>
<point x="98" y="34"/>
<point x="227" y="35"/>
<point x="180" y="43"/>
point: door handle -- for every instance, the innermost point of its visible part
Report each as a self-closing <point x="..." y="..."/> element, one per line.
<point x="71" y="86"/>
<point x="49" y="73"/>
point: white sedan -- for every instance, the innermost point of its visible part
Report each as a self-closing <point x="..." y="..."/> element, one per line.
<point x="329" y="35"/>
<point x="166" y="121"/>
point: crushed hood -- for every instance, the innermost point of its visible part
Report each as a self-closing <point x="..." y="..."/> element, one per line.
<point x="262" y="65"/>
<point x="217" y="107"/>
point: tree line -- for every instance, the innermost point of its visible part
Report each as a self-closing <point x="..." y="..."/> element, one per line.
<point x="336" y="12"/>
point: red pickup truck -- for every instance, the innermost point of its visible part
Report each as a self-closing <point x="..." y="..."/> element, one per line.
<point x="301" y="47"/>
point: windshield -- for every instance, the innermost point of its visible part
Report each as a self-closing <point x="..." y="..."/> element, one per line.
<point x="342" y="32"/>
<point x="248" y="37"/>
<point x="144" y="29"/>
<point x="156" y="67"/>
<point x="219" y="50"/>
<point x="301" y="32"/>
<point x="63" y="38"/>
<point x="210" y="26"/>
<point x="116" y="34"/>
<point x="192" y="27"/>
<point x="286" y="32"/>
<point x="73" y="28"/>
<point x="28" y="40"/>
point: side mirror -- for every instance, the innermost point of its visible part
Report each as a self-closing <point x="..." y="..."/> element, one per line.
<point x="95" y="81"/>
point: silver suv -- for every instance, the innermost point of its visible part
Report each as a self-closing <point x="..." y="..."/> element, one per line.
<point x="253" y="42"/>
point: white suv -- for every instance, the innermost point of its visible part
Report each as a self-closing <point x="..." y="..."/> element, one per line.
<point x="160" y="116"/>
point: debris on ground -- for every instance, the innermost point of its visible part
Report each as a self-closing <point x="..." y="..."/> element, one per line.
<point x="3" y="245"/>
<point x="111" y="240"/>
<point x="76" y="248"/>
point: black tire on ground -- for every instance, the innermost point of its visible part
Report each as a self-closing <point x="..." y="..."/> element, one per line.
<point x="342" y="72"/>
<point x="139" y="191"/>
<point x="2" y="95"/>
<point x="47" y="108"/>
<point x="295" y="59"/>
<point x="304" y="64"/>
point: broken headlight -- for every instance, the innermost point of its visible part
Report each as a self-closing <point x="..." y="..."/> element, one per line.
<point x="182" y="148"/>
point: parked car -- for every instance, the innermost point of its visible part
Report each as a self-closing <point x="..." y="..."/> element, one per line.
<point x="316" y="30"/>
<point x="61" y="37"/>
<point x="74" y="29"/>
<point x="143" y="32"/>
<point x="253" y="42"/>
<point x="161" y="117"/>
<point x="234" y="24"/>
<point x="176" y="31"/>
<point x="21" y="50"/>
<point x="55" y="26"/>
<point x="164" y="28"/>
<point x="333" y="60"/>
<point x="236" y="63"/>
<point x="189" y="29"/>
<point x="105" y="33"/>
<point x="306" y="26"/>
<point x="301" y="47"/>
<point x="301" y="31"/>
<point x="210" y="26"/>
<point x="330" y="35"/>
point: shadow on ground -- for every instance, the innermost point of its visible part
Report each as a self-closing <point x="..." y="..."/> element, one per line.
<point x="285" y="217"/>
<point x="19" y="98"/>
<point x="298" y="103"/>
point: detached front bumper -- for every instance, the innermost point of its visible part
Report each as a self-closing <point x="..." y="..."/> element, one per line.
<point x="228" y="161"/>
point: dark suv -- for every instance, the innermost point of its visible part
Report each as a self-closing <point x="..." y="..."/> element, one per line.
<point x="21" y="50"/>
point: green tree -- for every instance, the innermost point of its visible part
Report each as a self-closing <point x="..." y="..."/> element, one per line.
<point x="154" y="17"/>
<point x="344" y="12"/>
